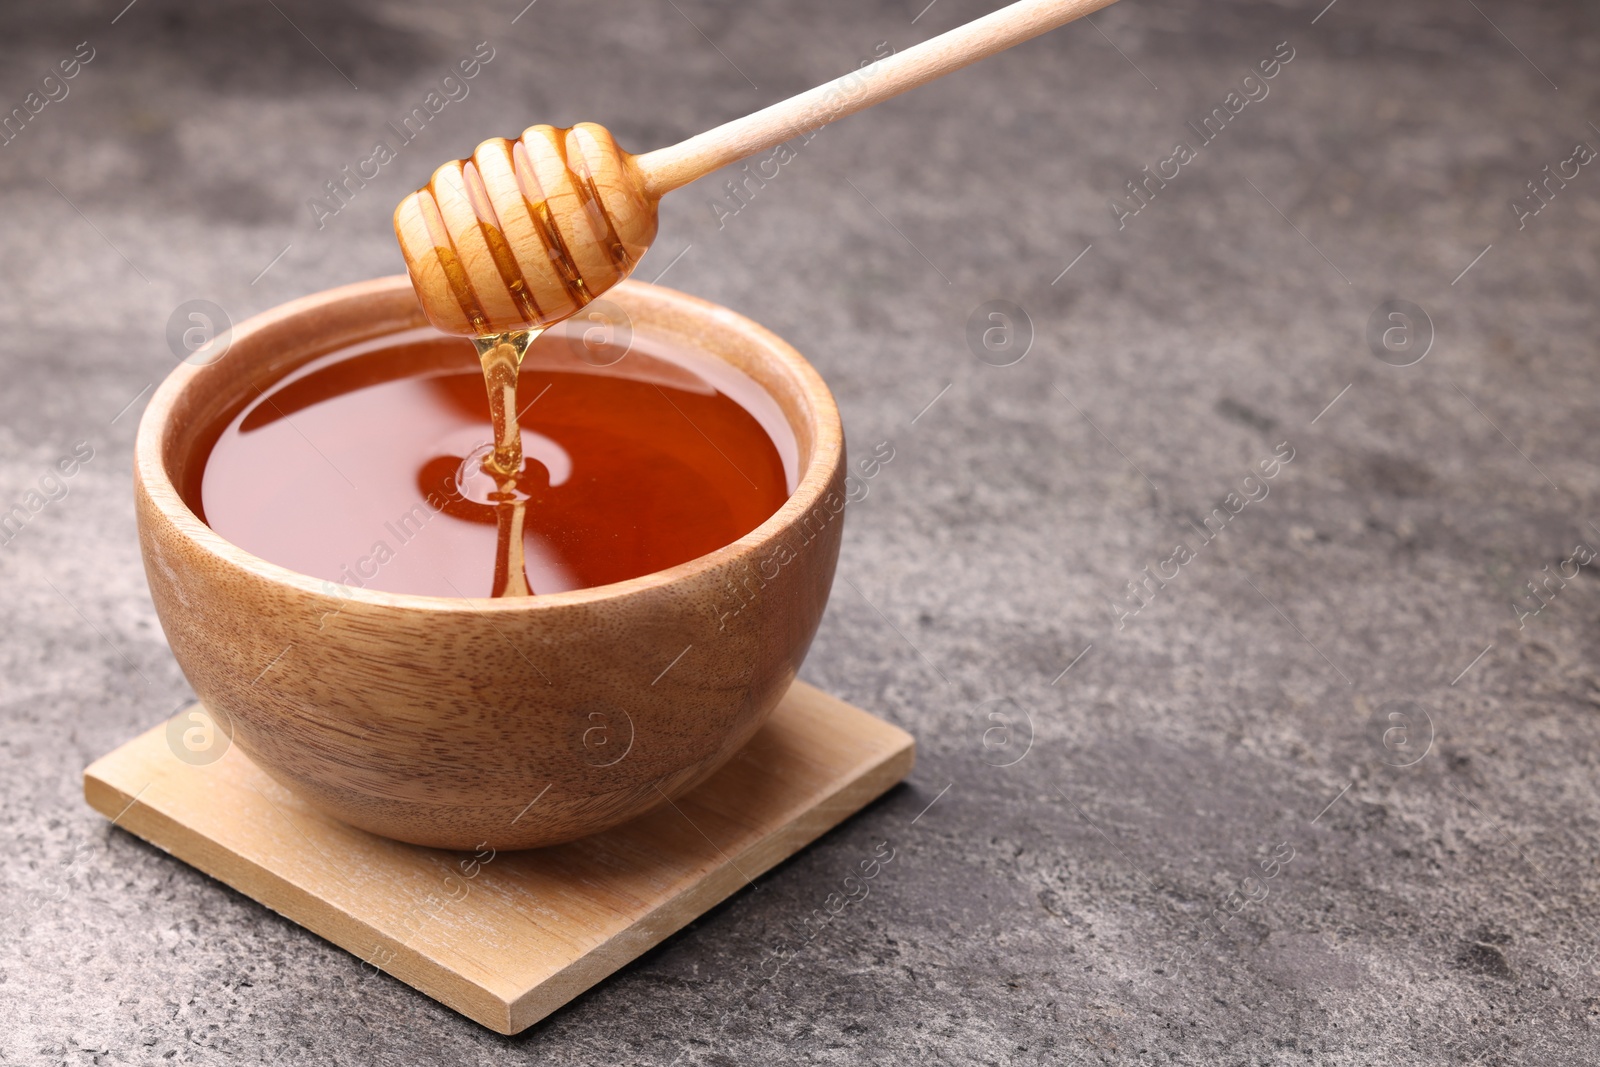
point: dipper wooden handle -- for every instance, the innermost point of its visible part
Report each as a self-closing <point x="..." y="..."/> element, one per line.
<point x="526" y="232"/>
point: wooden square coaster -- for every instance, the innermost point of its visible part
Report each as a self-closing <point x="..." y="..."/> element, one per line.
<point x="507" y="938"/>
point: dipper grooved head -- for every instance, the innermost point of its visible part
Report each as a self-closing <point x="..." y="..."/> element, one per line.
<point x="526" y="232"/>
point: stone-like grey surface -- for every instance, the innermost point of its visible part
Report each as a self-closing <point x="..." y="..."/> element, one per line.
<point x="1054" y="910"/>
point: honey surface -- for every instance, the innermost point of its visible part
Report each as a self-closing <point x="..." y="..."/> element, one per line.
<point x="359" y="467"/>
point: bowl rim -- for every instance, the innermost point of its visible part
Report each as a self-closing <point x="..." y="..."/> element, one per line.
<point x="816" y="475"/>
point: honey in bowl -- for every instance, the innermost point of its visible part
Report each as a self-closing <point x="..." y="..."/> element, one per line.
<point x="372" y="466"/>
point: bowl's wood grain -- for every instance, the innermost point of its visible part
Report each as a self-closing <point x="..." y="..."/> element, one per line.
<point x="436" y="720"/>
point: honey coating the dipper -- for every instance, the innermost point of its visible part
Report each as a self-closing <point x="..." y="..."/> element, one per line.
<point x="508" y="243"/>
<point x="526" y="232"/>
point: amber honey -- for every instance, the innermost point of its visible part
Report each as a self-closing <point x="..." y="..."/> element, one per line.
<point x="375" y="466"/>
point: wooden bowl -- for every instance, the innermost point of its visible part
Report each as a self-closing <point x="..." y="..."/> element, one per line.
<point x="457" y="722"/>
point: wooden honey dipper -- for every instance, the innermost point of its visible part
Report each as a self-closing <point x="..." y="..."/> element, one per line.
<point x="526" y="232"/>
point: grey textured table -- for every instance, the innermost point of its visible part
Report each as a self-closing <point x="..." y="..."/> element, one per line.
<point x="1208" y="841"/>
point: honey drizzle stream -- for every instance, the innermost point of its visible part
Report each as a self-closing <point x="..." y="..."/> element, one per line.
<point x="501" y="356"/>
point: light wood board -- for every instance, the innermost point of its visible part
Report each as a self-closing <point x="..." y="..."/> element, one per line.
<point x="508" y="939"/>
